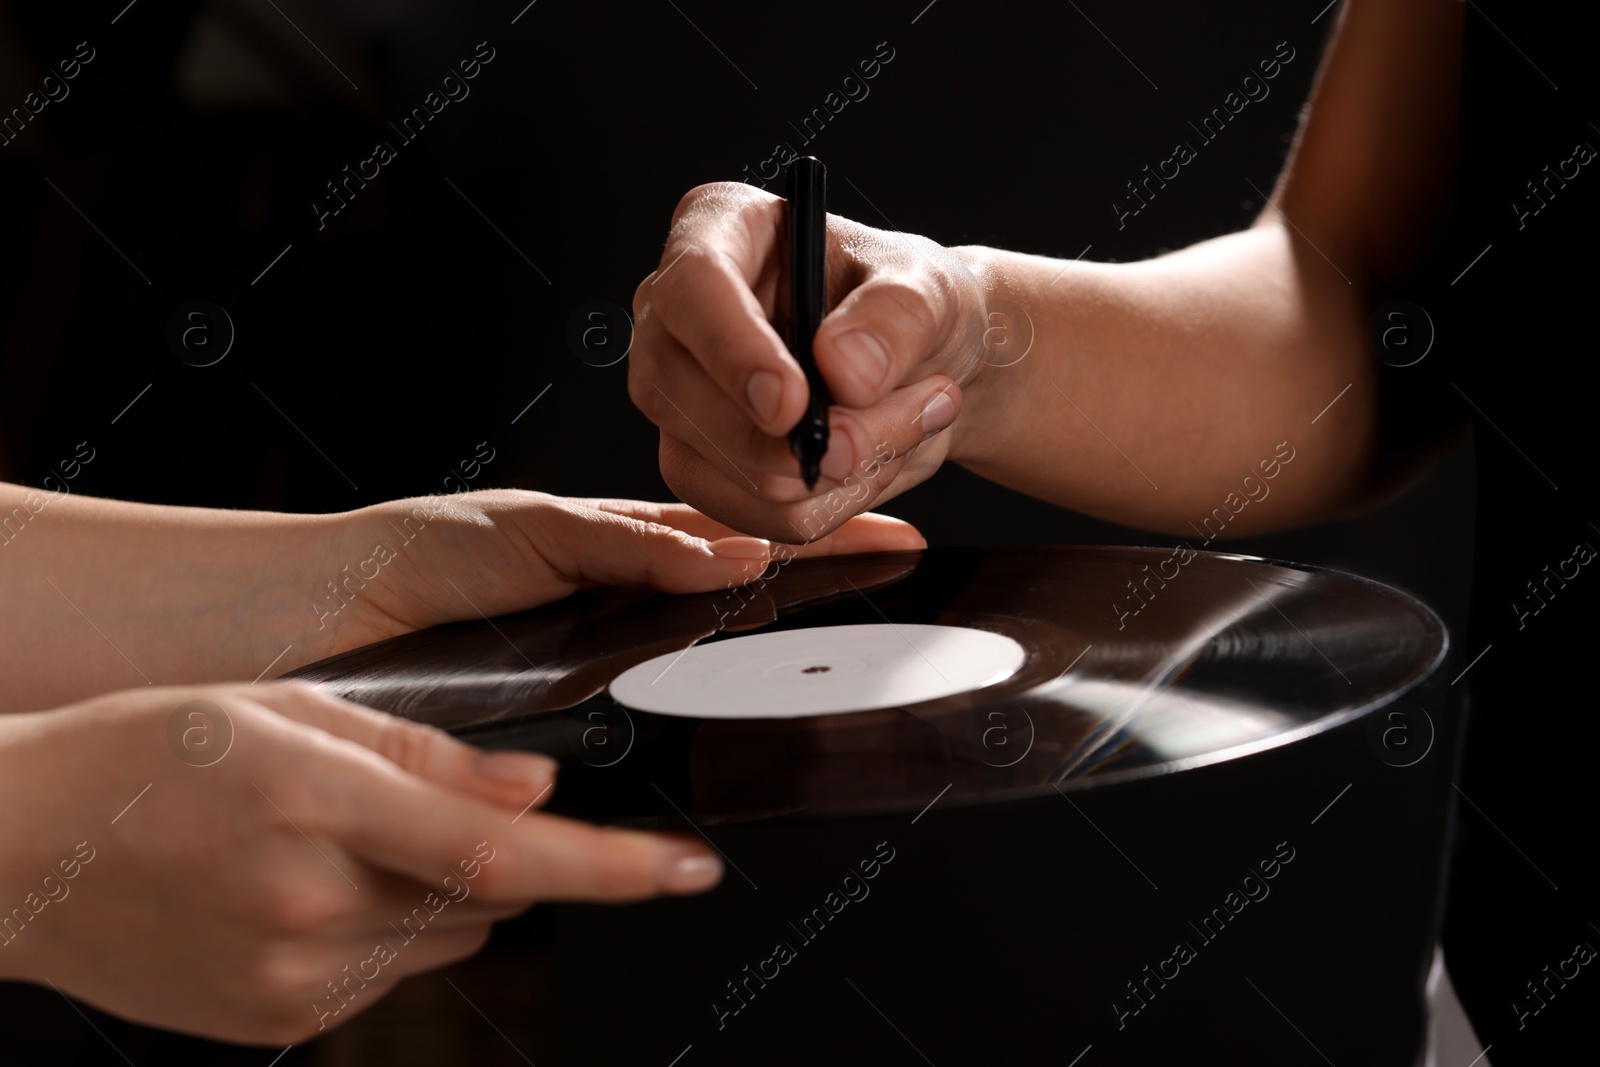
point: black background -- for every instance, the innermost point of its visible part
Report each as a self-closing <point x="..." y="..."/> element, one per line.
<point x="409" y="329"/>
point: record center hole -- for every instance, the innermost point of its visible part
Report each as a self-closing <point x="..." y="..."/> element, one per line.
<point x="816" y="670"/>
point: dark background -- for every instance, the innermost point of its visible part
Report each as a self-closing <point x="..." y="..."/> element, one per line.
<point x="378" y="352"/>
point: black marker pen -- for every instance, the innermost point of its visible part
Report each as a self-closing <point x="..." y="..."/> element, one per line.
<point x="806" y="183"/>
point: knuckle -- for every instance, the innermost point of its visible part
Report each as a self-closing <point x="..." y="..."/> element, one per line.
<point x="406" y="744"/>
<point x="494" y="884"/>
<point x="659" y="534"/>
<point x="280" y="971"/>
<point x="497" y="500"/>
<point x="283" y="987"/>
<point x="286" y="907"/>
<point x="709" y="194"/>
<point x="690" y="200"/>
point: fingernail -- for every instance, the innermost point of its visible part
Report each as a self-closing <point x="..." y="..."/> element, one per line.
<point x="518" y="768"/>
<point x="866" y="358"/>
<point x="940" y="413"/>
<point x="765" y="392"/>
<point x="741" y="548"/>
<point x="691" y="874"/>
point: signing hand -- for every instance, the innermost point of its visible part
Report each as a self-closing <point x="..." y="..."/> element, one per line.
<point x="710" y="369"/>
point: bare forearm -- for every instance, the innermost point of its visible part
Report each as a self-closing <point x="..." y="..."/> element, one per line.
<point x="1152" y="390"/>
<point x="1185" y="371"/>
<point x="104" y="595"/>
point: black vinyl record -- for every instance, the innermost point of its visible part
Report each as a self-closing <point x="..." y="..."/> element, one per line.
<point x="1134" y="662"/>
<point x="1235" y="762"/>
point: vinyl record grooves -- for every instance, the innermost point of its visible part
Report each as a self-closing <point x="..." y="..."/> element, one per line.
<point x="1133" y="662"/>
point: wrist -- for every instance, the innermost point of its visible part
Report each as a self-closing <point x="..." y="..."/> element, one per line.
<point x="1006" y="333"/>
<point x="282" y="624"/>
<point x="243" y="583"/>
<point x="358" y="591"/>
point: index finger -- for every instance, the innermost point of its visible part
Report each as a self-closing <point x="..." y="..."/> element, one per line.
<point x="401" y="823"/>
<point x="705" y="296"/>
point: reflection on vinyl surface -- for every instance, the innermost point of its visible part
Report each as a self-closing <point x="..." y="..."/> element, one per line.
<point x="1137" y="662"/>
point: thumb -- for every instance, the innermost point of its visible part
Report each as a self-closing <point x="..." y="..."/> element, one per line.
<point x="586" y="544"/>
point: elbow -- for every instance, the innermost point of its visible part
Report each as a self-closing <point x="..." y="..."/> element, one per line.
<point x="1333" y="390"/>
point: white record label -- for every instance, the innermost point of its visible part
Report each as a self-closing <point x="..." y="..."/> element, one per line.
<point x="824" y="670"/>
